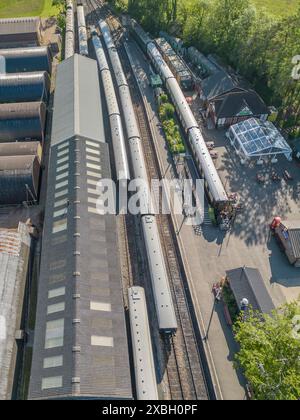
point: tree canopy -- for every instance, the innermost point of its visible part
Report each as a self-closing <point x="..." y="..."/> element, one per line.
<point x="270" y="352"/>
<point x="261" y="47"/>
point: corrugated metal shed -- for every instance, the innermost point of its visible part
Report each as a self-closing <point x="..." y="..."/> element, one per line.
<point x="14" y="257"/>
<point x="80" y="346"/>
<point x="20" y="60"/>
<point x="18" y="32"/>
<point x="20" y="121"/>
<point x="21" y="149"/>
<point x="19" y="179"/>
<point x="78" y="100"/>
<point x="24" y="87"/>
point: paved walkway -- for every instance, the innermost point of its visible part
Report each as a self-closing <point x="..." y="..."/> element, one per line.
<point x="198" y="255"/>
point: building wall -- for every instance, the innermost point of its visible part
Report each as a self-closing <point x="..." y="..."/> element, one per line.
<point x="13" y="274"/>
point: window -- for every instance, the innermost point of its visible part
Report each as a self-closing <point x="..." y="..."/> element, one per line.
<point x="61" y="184"/>
<point x="52" y="362"/>
<point x="60" y="226"/>
<point x="62" y="168"/>
<point x="92" y="143"/>
<point x="62" y="160"/>
<point x="98" y="306"/>
<point x="93" y="152"/>
<point x="94" y="174"/>
<point x="92" y="200"/>
<point x="56" y="278"/>
<point x="52" y="382"/>
<point x="60" y="213"/>
<point x="94" y="192"/>
<point x="63" y="152"/>
<point x="54" y="334"/>
<point x="62" y="145"/>
<point x="61" y="193"/>
<point x="62" y="176"/>
<point x="92" y="182"/>
<point x="60" y="291"/>
<point x="57" y="265"/>
<point x="92" y="166"/>
<point x="56" y="307"/>
<point x="93" y="210"/>
<point x="97" y="340"/>
<point x="93" y="158"/>
<point x="60" y="203"/>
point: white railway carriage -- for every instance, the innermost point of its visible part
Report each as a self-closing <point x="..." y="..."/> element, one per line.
<point x="207" y="169"/>
<point x="118" y="139"/>
<point x="82" y="32"/>
<point x="182" y="107"/>
<point x="160" y="284"/>
<point x="106" y="34"/>
<point x="144" y="368"/>
<point x="70" y="31"/>
<point x="159" y="278"/>
<point x="160" y="65"/>
<point x="205" y="165"/>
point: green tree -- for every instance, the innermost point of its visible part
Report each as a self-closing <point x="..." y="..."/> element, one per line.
<point x="61" y="3"/>
<point x="259" y="46"/>
<point x="270" y="353"/>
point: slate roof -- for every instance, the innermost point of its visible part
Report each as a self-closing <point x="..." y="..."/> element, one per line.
<point x="80" y="345"/>
<point x="233" y="103"/>
<point x="220" y="83"/>
<point x="248" y="283"/>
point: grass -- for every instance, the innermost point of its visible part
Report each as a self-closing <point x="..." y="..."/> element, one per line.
<point x="278" y="7"/>
<point x="19" y="8"/>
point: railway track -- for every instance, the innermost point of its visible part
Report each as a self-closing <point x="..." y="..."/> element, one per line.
<point x="183" y="362"/>
<point x="186" y="382"/>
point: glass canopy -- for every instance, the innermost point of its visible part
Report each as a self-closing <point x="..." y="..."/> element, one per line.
<point x="254" y="137"/>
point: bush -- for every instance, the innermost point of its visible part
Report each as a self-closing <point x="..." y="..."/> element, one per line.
<point x="171" y="130"/>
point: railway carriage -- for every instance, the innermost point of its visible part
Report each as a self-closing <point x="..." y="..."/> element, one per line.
<point x="118" y="140"/>
<point x="206" y="168"/>
<point x="82" y="31"/>
<point x="159" y="277"/>
<point x="144" y="368"/>
<point x="70" y="33"/>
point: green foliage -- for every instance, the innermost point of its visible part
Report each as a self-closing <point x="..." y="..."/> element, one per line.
<point x="171" y="129"/>
<point x="270" y="353"/>
<point x="164" y="98"/>
<point x="256" y="43"/>
<point x="230" y="301"/>
<point x="61" y="21"/>
<point x="166" y="111"/>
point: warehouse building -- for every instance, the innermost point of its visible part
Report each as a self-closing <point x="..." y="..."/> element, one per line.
<point x="80" y="344"/>
<point x="24" y="87"/>
<point x="19" y="179"/>
<point x="19" y="60"/>
<point x="14" y="259"/>
<point x="30" y="148"/>
<point x="22" y="121"/>
<point x="20" y="32"/>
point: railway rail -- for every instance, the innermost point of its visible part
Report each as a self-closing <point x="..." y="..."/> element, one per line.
<point x="183" y="356"/>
